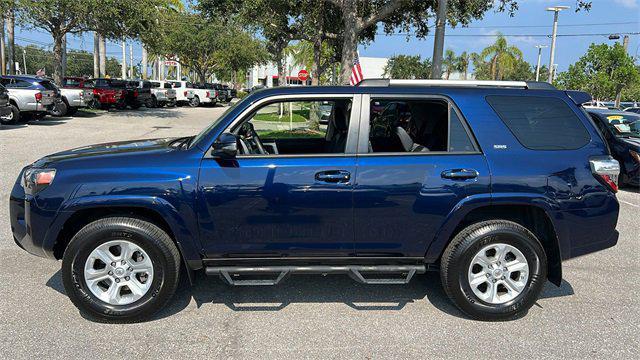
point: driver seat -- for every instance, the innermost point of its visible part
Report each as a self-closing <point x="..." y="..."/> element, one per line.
<point x="340" y="124"/>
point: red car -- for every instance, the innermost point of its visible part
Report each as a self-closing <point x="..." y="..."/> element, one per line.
<point x="107" y="92"/>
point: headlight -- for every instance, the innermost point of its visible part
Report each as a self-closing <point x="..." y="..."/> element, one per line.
<point x="635" y="156"/>
<point x="37" y="179"/>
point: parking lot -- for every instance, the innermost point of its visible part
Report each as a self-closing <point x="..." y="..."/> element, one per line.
<point x="593" y="314"/>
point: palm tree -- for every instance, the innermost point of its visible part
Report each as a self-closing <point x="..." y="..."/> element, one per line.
<point x="449" y="63"/>
<point x="502" y="56"/>
<point x="462" y="63"/>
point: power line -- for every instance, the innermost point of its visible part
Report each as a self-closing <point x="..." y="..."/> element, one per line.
<point x="545" y="26"/>
<point x="515" y="35"/>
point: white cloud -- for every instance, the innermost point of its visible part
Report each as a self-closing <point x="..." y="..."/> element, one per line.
<point x="627" y="3"/>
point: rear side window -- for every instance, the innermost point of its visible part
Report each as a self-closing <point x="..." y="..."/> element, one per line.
<point x="541" y="123"/>
<point x="167" y="86"/>
<point x="47" y="85"/>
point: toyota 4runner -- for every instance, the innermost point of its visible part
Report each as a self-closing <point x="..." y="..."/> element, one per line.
<point x="493" y="184"/>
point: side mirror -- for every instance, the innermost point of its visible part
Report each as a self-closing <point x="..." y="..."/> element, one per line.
<point x="226" y="147"/>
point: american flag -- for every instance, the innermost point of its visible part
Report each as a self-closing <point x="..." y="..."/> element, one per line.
<point x="356" y="71"/>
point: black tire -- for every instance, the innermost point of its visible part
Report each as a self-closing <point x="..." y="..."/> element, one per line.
<point x="153" y="102"/>
<point x="153" y="240"/>
<point x="195" y="101"/>
<point x="59" y="109"/>
<point x="456" y="261"/>
<point x="13" y="118"/>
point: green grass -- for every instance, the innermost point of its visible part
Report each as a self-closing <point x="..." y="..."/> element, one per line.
<point x="287" y="134"/>
<point x="297" y="116"/>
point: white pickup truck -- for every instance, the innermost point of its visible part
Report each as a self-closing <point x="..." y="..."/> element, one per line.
<point x="202" y="95"/>
<point x="184" y="91"/>
<point x="162" y="93"/>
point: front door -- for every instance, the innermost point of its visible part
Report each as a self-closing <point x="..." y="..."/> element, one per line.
<point x="289" y="190"/>
<point x="417" y="160"/>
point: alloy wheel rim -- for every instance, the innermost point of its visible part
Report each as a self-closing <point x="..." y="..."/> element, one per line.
<point x="498" y="273"/>
<point x="118" y="272"/>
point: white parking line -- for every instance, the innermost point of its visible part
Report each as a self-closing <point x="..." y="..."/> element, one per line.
<point x="628" y="203"/>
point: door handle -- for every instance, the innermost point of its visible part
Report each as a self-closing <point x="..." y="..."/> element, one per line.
<point x="459" y="174"/>
<point x="334" y="176"/>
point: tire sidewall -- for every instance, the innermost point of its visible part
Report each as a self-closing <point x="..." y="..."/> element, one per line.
<point x="532" y="251"/>
<point x="73" y="272"/>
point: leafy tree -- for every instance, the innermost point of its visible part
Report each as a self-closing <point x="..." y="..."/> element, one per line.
<point x="79" y="63"/>
<point x="604" y="71"/>
<point x="462" y="64"/>
<point x="407" y="67"/>
<point x="241" y="51"/>
<point x="449" y="63"/>
<point x="501" y="56"/>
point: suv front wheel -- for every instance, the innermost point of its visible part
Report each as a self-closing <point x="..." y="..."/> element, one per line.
<point x="120" y="269"/>
<point x="494" y="270"/>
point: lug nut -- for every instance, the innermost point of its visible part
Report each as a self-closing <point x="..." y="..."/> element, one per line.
<point x="503" y="278"/>
<point x="130" y="268"/>
<point x="123" y="262"/>
<point x="110" y="272"/>
<point x="126" y="278"/>
<point x="505" y="269"/>
<point x="494" y="280"/>
<point x="488" y="275"/>
<point x="117" y="280"/>
<point x="113" y="263"/>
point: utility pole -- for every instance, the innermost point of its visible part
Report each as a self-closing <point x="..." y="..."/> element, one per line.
<point x="124" y="59"/>
<point x="556" y="10"/>
<point x="3" y="62"/>
<point x="131" y="60"/>
<point x="625" y="45"/>
<point x="539" y="47"/>
<point x="438" y="42"/>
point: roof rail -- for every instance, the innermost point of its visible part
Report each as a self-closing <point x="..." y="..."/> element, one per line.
<point x="538" y="85"/>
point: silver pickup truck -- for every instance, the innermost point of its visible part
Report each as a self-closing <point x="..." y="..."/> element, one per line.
<point x="75" y="94"/>
<point x="29" y="96"/>
<point x="162" y="94"/>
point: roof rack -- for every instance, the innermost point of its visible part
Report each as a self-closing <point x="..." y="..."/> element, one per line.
<point x="538" y="85"/>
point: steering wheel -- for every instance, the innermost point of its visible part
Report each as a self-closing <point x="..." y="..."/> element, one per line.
<point x="249" y="136"/>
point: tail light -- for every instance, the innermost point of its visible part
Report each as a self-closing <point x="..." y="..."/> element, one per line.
<point x="216" y="94"/>
<point x="38" y="96"/>
<point x="185" y="93"/>
<point x="135" y="93"/>
<point x="606" y="169"/>
<point x="95" y="92"/>
<point x="208" y="94"/>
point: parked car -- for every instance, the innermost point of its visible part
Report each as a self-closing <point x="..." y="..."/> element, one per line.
<point x="184" y="92"/>
<point x="493" y="184"/>
<point x="29" y="96"/>
<point x="221" y="93"/>
<point x="5" y="107"/>
<point x="633" y="110"/>
<point x="621" y="130"/>
<point x="231" y="93"/>
<point x="139" y="92"/>
<point x="107" y="93"/>
<point x="75" y="94"/>
<point x="202" y="94"/>
<point x="162" y="94"/>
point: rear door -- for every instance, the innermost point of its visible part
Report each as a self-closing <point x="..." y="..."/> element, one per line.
<point x="417" y="160"/>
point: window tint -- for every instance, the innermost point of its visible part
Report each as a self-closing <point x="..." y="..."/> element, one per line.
<point x="21" y="84"/>
<point x="70" y="82"/>
<point x="167" y="86"/>
<point x="297" y="127"/>
<point x="176" y="84"/>
<point x="88" y="84"/>
<point x="48" y="85"/>
<point x="541" y="123"/>
<point x="420" y="126"/>
<point x="155" y="84"/>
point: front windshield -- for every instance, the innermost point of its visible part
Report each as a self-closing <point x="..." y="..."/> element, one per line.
<point x="624" y="124"/>
<point x="212" y="125"/>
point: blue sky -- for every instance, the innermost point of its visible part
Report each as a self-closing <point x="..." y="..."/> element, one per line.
<point x="530" y="20"/>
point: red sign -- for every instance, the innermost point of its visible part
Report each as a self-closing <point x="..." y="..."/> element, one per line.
<point x="303" y="75"/>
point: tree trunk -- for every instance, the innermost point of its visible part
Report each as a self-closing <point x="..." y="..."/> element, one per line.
<point x="11" y="44"/>
<point x="316" y="68"/>
<point x="3" y="58"/>
<point x="57" y="56"/>
<point x="282" y="76"/>
<point x="143" y="65"/>
<point x="64" y="58"/>
<point x="103" y="56"/>
<point x="123" y="65"/>
<point x="438" y="41"/>
<point x="349" y="39"/>
<point x="494" y="67"/>
<point x="96" y="55"/>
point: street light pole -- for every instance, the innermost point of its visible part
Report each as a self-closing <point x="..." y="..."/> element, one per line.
<point x="556" y="10"/>
<point x="539" y="47"/>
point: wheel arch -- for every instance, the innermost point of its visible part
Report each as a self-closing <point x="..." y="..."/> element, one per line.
<point x="535" y="217"/>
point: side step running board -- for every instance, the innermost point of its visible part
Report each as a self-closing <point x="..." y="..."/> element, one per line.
<point x="230" y="274"/>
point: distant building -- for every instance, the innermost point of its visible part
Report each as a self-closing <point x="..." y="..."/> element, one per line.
<point x="267" y="75"/>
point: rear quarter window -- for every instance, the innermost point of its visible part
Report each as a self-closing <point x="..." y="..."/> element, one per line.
<point x="541" y="123"/>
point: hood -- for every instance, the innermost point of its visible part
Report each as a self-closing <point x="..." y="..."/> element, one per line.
<point x="108" y="149"/>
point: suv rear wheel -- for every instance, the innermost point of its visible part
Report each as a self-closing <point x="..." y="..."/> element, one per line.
<point x="494" y="270"/>
<point x="120" y="269"/>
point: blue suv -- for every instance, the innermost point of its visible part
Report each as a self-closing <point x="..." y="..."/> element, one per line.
<point x="493" y="184"/>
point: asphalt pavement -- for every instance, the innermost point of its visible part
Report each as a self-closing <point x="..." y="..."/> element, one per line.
<point x="594" y="314"/>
